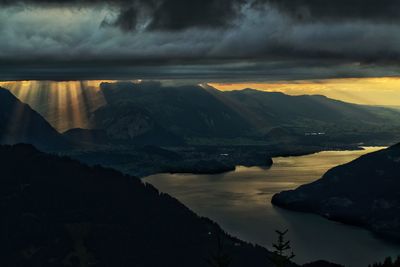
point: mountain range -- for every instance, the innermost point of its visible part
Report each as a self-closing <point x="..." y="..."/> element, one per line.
<point x="170" y="115"/>
<point x="146" y="128"/>
<point x="197" y="113"/>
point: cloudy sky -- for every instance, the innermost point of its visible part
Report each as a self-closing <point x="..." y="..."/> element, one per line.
<point x="213" y="40"/>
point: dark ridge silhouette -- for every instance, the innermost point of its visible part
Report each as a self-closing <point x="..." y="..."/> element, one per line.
<point x="21" y="124"/>
<point x="363" y="192"/>
<point x="150" y="113"/>
<point x="194" y="112"/>
<point x="134" y="125"/>
<point x="58" y="212"/>
<point x="322" y="264"/>
<point x="186" y="111"/>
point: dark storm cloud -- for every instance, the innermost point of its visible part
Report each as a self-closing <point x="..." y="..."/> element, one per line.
<point x="127" y="19"/>
<point x="162" y="14"/>
<point x="179" y="14"/>
<point x="378" y="10"/>
<point x="208" y="38"/>
<point x="183" y="14"/>
<point x="195" y="73"/>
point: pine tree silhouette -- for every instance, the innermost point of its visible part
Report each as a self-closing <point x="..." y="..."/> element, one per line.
<point x="388" y="263"/>
<point x="281" y="257"/>
<point x="219" y="258"/>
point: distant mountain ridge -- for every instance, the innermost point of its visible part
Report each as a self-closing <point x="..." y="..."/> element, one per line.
<point x="126" y="123"/>
<point x="21" y="124"/>
<point x="364" y="192"/>
<point x="185" y="111"/>
<point x="204" y="112"/>
<point x="150" y="113"/>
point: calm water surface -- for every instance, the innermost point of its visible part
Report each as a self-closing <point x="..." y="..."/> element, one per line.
<point x="240" y="202"/>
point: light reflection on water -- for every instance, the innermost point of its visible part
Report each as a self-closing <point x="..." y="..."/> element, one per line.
<point x="240" y="202"/>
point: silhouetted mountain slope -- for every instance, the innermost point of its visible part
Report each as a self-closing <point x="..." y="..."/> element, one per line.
<point x="278" y="108"/>
<point x="150" y="113"/>
<point x="20" y="124"/>
<point x="130" y="124"/>
<point x="322" y="264"/>
<point x="186" y="110"/>
<point x="364" y="192"/>
<point x="58" y="212"/>
<point x="194" y="111"/>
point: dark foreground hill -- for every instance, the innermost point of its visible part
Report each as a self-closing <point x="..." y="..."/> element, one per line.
<point x="363" y="192"/>
<point x="58" y="212"/>
<point x="21" y="124"/>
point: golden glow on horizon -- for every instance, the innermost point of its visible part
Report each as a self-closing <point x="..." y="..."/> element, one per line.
<point x="370" y="91"/>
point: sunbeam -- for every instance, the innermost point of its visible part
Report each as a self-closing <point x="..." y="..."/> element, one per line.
<point x="65" y="105"/>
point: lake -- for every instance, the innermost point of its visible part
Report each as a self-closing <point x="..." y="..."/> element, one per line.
<point x="239" y="201"/>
